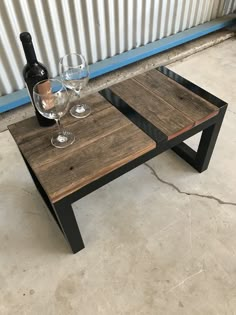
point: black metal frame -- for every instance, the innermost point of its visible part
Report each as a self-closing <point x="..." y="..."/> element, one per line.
<point x="62" y="210"/>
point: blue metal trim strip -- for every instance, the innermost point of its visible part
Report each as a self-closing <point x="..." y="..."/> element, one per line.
<point x="21" y="97"/>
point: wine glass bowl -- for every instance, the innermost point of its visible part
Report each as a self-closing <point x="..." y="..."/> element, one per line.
<point x="74" y="72"/>
<point x="51" y="100"/>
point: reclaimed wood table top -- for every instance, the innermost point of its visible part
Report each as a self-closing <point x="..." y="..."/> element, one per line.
<point x="105" y="141"/>
<point x="169" y="106"/>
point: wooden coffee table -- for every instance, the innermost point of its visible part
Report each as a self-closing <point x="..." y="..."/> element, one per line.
<point x="131" y="122"/>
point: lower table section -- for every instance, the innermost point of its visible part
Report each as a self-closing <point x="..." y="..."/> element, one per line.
<point x="62" y="210"/>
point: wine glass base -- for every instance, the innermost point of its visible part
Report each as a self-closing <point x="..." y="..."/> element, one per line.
<point x="63" y="139"/>
<point x="80" y="111"/>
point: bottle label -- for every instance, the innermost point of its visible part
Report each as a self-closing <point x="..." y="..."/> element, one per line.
<point x="47" y="96"/>
<point x="43" y="121"/>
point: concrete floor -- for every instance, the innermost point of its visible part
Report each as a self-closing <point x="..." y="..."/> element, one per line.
<point x="159" y="240"/>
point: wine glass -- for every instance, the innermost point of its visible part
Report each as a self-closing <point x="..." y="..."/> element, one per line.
<point x="51" y="100"/>
<point x="74" y="72"/>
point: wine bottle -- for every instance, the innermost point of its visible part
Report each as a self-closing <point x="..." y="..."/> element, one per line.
<point x="33" y="73"/>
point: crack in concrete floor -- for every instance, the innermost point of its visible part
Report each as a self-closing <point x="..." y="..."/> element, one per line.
<point x="221" y="202"/>
<point x="186" y="279"/>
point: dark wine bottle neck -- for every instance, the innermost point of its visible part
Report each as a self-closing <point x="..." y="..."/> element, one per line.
<point x="29" y="53"/>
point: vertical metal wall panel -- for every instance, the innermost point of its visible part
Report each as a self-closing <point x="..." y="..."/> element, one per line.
<point x="130" y="24"/>
<point x="97" y="28"/>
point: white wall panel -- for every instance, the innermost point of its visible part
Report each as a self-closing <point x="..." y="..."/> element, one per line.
<point x="96" y="28"/>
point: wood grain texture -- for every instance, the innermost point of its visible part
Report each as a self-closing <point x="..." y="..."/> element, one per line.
<point x="166" y="104"/>
<point x="105" y="140"/>
<point x="161" y="114"/>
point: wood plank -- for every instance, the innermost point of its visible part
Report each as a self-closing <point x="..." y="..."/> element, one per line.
<point x="28" y="129"/>
<point x="39" y="150"/>
<point x="105" y="140"/>
<point x="153" y="108"/>
<point x="93" y="161"/>
<point x="185" y="101"/>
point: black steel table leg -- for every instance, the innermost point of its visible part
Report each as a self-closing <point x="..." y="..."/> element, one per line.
<point x="63" y="214"/>
<point x="42" y="193"/>
<point x="67" y="220"/>
<point x="201" y="159"/>
<point x="207" y="144"/>
<point x="186" y="153"/>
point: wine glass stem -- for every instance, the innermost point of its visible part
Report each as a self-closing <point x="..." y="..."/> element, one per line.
<point x="60" y="127"/>
<point x="77" y="93"/>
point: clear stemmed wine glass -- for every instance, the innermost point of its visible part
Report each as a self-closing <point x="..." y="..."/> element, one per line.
<point x="74" y="72"/>
<point x="51" y="100"/>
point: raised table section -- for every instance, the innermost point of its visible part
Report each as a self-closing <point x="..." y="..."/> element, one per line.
<point x="167" y="105"/>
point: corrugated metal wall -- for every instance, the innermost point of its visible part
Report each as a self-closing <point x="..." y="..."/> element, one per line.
<point x="97" y="28"/>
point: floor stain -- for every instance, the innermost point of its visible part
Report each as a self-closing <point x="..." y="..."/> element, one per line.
<point x="66" y="292"/>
